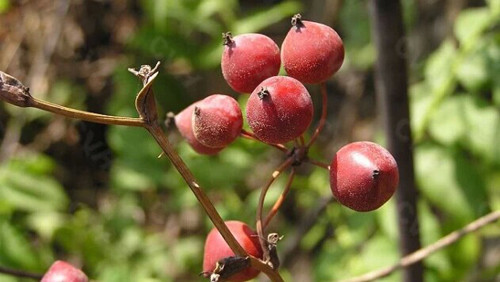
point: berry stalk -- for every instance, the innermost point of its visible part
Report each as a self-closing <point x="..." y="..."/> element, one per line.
<point x="259" y="226"/>
<point x="280" y="200"/>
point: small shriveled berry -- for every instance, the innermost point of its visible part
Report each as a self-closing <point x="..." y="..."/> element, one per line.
<point x="311" y="52"/>
<point x="183" y="122"/>
<point x="61" y="271"/>
<point x="216" y="249"/>
<point x="279" y="110"/>
<point x="217" y="121"/>
<point x="248" y="59"/>
<point x="363" y="176"/>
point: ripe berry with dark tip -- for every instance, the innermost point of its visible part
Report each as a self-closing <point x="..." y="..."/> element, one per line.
<point x="183" y="121"/>
<point x="217" y="121"/>
<point x="363" y="176"/>
<point x="279" y="110"/>
<point x="217" y="249"/>
<point x="311" y="52"/>
<point x="61" y="271"/>
<point x="248" y="59"/>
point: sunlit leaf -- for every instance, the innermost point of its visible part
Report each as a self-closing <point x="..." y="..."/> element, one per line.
<point x="446" y="174"/>
<point x="471" y="23"/>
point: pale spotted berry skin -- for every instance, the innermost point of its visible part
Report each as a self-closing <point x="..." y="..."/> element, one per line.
<point x="312" y="52"/>
<point x="363" y="176"/>
<point x="216" y="248"/>
<point x="184" y="123"/>
<point x="279" y="110"/>
<point x="61" y="271"/>
<point x="217" y="121"/>
<point x="248" y="59"/>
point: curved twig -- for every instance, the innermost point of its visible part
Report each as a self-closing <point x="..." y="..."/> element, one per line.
<point x="260" y="206"/>
<point x="20" y="273"/>
<point x="319" y="164"/>
<point x="280" y="200"/>
<point x="427" y="251"/>
<point x="251" y="136"/>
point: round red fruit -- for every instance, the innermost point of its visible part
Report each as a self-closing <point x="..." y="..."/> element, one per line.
<point x="248" y="59"/>
<point x="363" y="176"/>
<point x="183" y="121"/>
<point x="311" y="52"/>
<point x="61" y="271"/>
<point x="217" y="121"/>
<point x="216" y="249"/>
<point x="279" y="110"/>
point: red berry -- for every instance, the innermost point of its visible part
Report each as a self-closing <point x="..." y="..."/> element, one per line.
<point x="217" y="121"/>
<point x="183" y="121"/>
<point x="216" y="249"/>
<point x="279" y="110"/>
<point x="311" y="52"/>
<point x="61" y="271"/>
<point x="363" y="176"/>
<point x="248" y="59"/>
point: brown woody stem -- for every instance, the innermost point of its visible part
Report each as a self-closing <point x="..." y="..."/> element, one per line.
<point x="186" y="174"/>
<point x="83" y="115"/>
<point x="251" y="136"/>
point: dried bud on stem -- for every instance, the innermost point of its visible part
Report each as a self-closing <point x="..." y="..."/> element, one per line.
<point x="13" y="91"/>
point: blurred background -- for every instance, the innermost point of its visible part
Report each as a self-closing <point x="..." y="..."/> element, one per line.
<point x="98" y="196"/>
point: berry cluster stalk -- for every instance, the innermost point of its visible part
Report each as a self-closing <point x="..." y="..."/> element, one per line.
<point x="14" y="92"/>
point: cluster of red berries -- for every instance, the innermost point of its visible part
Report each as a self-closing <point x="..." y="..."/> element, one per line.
<point x="363" y="175"/>
<point x="279" y="108"/>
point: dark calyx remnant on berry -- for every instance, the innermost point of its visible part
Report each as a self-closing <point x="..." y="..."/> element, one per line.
<point x="197" y="111"/>
<point x="263" y="93"/>
<point x="228" y="38"/>
<point x="297" y="21"/>
<point x="375" y="173"/>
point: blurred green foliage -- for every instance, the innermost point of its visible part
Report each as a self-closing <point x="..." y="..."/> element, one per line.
<point x="456" y="123"/>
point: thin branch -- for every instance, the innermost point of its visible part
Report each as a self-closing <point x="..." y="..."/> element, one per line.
<point x="186" y="174"/>
<point x="271" y="274"/>
<point x="20" y="273"/>
<point x="319" y="164"/>
<point x="207" y="205"/>
<point x="84" y="115"/>
<point x="251" y="136"/>
<point x="260" y="206"/>
<point x="322" y="121"/>
<point x="280" y="199"/>
<point x="427" y="251"/>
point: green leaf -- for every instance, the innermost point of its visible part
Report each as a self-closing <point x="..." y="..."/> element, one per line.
<point x="447" y="125"/>
<point x="471" y="23"/>
<point x="15" y="249"/>
<point x="4" y="6"/>
<point x="30" y="191"/>
<point x="472" y="72"/>
<point x="46" y="223"/>
<point x="265" y="17"/>
<point x="450" y="182"/>
<point x="439" y="81"/>
<point x="483" y="124"/>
